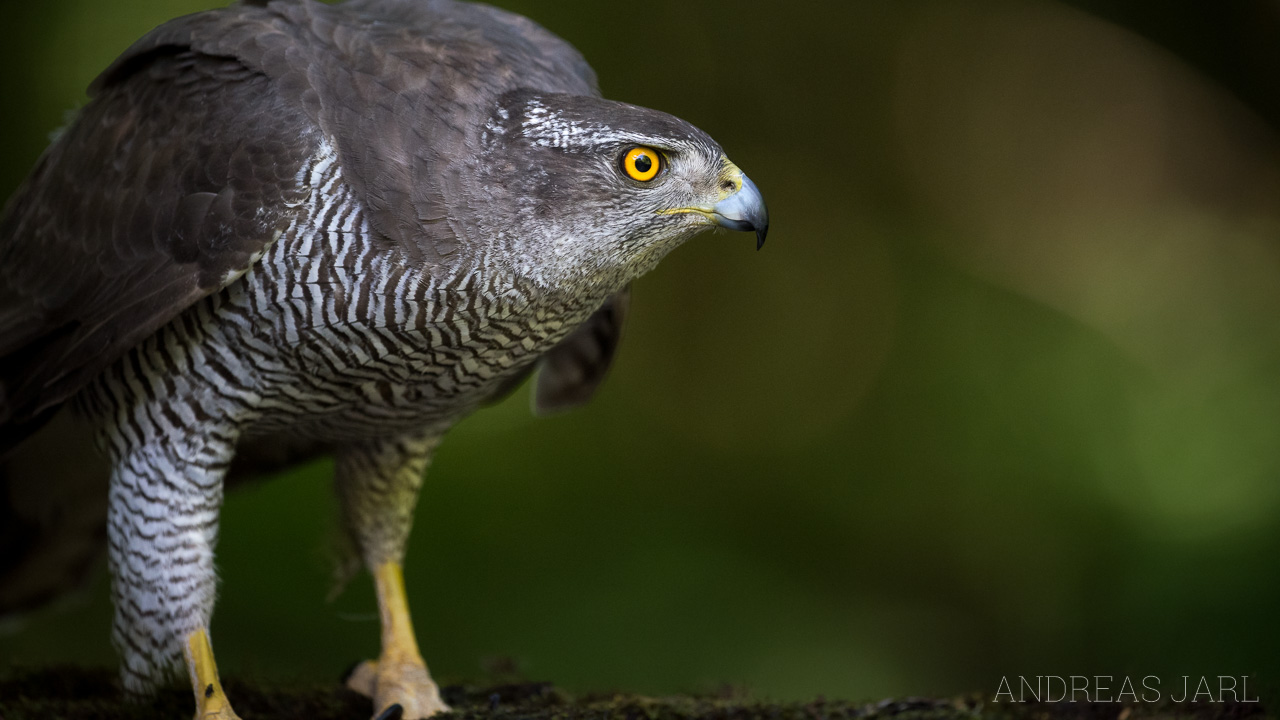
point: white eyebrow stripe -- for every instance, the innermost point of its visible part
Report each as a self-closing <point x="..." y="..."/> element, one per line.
<point x="548" y="128"/>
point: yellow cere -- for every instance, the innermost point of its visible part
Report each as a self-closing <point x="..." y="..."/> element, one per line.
<point x="642" y="163"/>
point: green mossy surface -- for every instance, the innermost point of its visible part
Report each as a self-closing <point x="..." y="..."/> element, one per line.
<point x="80" y="694"/>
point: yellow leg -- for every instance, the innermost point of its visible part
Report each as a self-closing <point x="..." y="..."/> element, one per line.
<point x="398" y="641"/>
<point x="211" y="702"/>
<point x="399" y="676"/>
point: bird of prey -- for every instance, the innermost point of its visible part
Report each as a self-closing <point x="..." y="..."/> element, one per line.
<point x="287" y="228"/>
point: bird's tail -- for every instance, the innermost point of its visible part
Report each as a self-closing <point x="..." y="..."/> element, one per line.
<point x="53" y="500"/>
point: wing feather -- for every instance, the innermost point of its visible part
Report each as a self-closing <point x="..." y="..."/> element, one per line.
<point x="181" y="168"/>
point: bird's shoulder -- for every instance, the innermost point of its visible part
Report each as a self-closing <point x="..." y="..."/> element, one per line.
<point x="399" y="87"/>
<point x="167" y="185"/>
<point x="419" y="49"/>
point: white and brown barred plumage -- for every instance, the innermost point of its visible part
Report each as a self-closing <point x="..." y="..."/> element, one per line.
<point x="287" y="228"/>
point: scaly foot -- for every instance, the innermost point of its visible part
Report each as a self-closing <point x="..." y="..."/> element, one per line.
<point x="220" y="711"/>
<point x="405" y="683"/>
<point x="211" y="701"/>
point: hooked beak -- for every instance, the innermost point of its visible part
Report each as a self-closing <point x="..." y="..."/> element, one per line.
<point x="744" y="209"/>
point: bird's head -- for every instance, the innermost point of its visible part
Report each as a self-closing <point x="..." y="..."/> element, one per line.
<point x="600" y="190"/>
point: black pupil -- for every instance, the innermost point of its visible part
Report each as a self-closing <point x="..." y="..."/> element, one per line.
<point x="643" y="164"/>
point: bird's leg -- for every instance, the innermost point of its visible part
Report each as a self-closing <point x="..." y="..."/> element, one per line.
<point x="399" y="676"/>
<point x="162" y="524"/>
<point x="378" y="485"/>
<point x="211" y="702"/>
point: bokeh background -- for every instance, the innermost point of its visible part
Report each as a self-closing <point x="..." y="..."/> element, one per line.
<point x="1000" y="397"/>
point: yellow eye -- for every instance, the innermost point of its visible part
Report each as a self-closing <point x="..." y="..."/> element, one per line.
<point x="641" y="163"/>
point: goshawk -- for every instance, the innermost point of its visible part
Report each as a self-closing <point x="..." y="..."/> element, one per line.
<point x="285" y="228"/>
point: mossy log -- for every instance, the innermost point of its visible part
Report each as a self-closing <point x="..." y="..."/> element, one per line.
<point x="81" y="694"/>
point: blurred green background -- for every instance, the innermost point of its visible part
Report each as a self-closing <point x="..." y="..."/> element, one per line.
<point x="1001" y="396"/>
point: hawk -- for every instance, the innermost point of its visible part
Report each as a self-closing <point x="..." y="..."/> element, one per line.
<point x="280" y="229"/>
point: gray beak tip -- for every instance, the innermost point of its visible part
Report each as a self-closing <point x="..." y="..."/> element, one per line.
<point x="745" y="210"/>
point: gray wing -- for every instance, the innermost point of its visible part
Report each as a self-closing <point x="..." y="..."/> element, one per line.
<point x="570" y="372"/>
<point x="166" y="187"/>
<point x="398" y="85"/>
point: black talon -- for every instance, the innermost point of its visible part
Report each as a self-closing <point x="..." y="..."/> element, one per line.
<point x="393" y="712"/>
